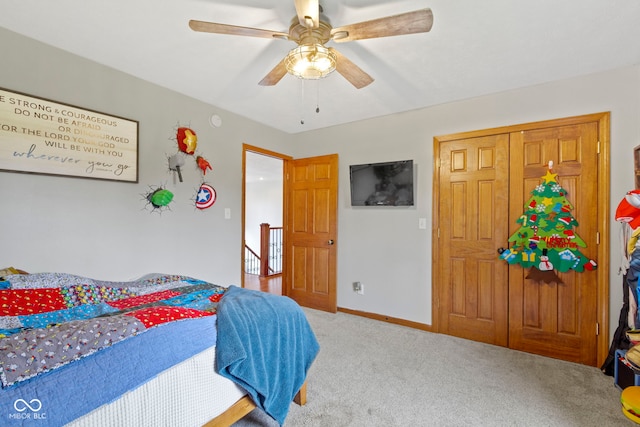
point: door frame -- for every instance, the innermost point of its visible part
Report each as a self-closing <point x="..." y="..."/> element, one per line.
<point x="285" y="214"/>
<point x="603" y="252"/>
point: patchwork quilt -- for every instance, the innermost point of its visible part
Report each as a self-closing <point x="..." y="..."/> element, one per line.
<point x="48" y="320"/>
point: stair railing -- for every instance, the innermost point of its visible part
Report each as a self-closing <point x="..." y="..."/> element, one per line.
<point x="269" y="261"/>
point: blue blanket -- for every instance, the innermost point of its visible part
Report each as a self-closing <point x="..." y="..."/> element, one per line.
<point x="265" y="345"/>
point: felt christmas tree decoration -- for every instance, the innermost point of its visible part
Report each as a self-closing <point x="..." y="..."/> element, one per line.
<point x="546" y="240"/>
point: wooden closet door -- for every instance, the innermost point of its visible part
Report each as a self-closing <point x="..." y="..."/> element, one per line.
<point x="556" y="320"/>
<point x="473" y="220"/>
<point x="567" y="321"/>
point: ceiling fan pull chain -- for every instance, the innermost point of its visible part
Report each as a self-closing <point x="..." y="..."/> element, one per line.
<point x="301" y="101"/>
<point x="318" y="95"/>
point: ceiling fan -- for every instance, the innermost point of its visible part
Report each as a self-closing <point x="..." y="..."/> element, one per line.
<point x="310" y="30"/>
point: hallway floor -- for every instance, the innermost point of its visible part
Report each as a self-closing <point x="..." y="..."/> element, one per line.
<point x="270" y="284"/>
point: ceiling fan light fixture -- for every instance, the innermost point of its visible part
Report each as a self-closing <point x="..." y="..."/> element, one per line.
<point x="310" y="61"/>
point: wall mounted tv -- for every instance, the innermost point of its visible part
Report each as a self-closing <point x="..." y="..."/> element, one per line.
<point x="382" y="184"/>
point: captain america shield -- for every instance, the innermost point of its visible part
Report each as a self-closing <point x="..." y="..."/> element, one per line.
<point x="206" y="197"/>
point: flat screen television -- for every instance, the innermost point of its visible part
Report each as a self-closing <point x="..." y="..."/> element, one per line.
<point x="382" y="184"/>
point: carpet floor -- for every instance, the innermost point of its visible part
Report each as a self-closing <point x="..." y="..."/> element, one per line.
<point x="371" y="373"/>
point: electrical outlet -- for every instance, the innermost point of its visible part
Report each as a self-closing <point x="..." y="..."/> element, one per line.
<point x="358" y="288"/>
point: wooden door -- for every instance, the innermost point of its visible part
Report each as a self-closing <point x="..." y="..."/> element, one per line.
<point x="311" y="232"/>
<point x="556" y="320"/>
<point x="473" y="223"/>
<point x="563" y="321"/>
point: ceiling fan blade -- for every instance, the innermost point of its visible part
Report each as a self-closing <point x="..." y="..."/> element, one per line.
<point x="274" y="75"/>
<point x="418" y="21"/>
<point x="308" y="13"/>
<point x="351" y="71"/>
<point x="212" y="27"/>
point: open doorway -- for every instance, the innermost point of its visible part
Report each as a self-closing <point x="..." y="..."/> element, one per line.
<point x="263" y="219"/>
<point x="308" y="198"/>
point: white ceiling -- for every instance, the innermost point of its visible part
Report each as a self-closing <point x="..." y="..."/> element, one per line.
<point x="259" y="167"/>
<point x="474" y="48"/>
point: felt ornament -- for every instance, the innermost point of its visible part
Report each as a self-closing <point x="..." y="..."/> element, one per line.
<point x="544" y="272"/>
<point x="545" y="265"/>
<point x="591" y="265"/>
<point x="187" y="140"/>
<point x="508" y="255"/>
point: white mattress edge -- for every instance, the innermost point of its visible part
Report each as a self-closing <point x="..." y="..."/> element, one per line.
<point x="188" y="394"/>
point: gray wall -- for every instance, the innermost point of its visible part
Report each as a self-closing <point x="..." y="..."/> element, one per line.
<point x="385" y="249"/>
<point x="100" y="229"/>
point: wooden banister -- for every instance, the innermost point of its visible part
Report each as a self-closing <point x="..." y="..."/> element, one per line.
<point x="264" y="249"/>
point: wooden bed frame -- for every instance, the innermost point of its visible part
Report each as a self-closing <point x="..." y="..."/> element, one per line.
<point x="245" y="405"/>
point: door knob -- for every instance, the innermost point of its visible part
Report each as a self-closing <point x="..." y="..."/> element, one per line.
<point x="330" y="242"/>
<point x="500" y="250"/>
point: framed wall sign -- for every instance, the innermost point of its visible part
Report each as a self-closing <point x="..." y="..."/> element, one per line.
<point x="47" y="137"/>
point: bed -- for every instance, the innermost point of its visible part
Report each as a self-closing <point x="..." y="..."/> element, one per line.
<point x="160" y="350"/>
